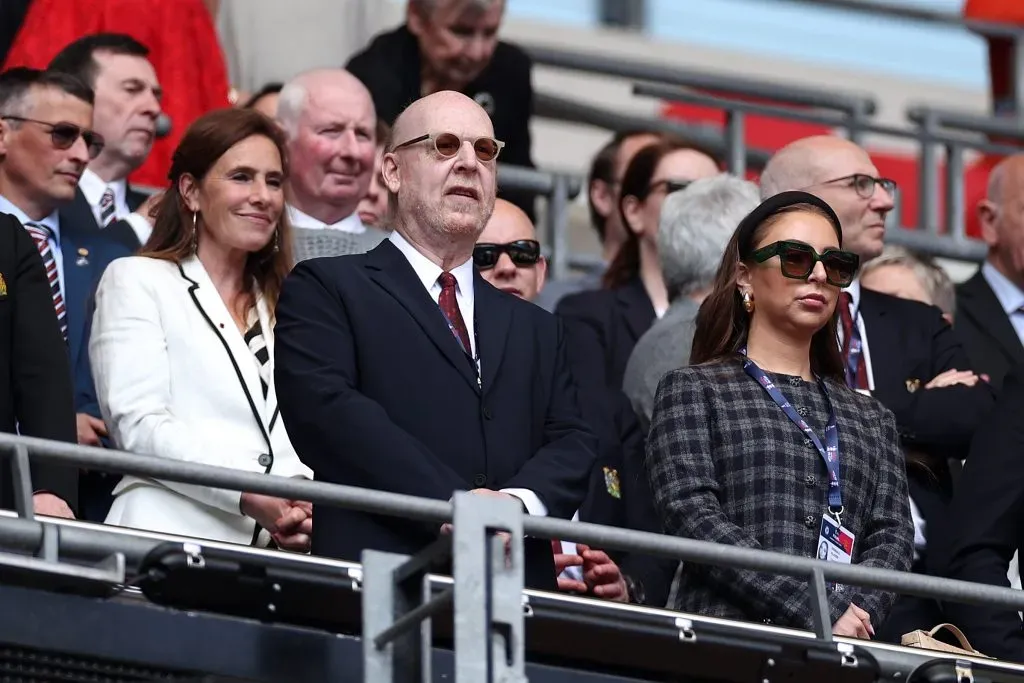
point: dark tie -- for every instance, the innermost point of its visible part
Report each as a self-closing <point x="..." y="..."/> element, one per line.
<point x="107" y="210"/>
<point x="846" y="318"/>
<point x="41" y="235"/>
<point x="450" y="308"/>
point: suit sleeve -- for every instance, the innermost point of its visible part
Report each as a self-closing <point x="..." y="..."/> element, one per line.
<point x="343" y="435"/>
<point x="41" y="370"/>
<point x="131" y="369"/>
<point x="985" y="524"/>
<point x="887" y="540"/>
<point x="681" y="468"/>
<point x="587" y="337"/>
<point x="946" y="418"/>
<point x="559" y="472"/>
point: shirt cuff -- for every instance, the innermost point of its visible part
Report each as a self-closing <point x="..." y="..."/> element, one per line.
<point x="141" y="227"/>
<point x="533" y="504"/>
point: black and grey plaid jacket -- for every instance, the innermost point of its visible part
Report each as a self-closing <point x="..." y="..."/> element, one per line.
<point x="726" y="465"/>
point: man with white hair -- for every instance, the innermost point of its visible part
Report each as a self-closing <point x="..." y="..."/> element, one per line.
<point x="696" y="224"/>
<point x="329" y="119"/>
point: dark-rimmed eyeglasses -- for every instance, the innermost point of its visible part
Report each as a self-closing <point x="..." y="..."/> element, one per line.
<point x="524" y="253"/>
<point x="449" y="144"/>
<point x="64" y="135"/>
<point x="864" y="185"/>
<point x="797" y="260"/>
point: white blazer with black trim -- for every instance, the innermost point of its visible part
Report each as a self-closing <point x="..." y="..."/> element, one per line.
<point x="175" y="379"/>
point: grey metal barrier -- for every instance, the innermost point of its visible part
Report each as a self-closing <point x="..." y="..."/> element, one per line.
<point x="927" y="236"/>
<point x="491" y="516"/>
<point x="558" y="189"/>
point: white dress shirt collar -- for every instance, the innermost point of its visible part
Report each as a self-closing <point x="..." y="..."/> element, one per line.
<point x="428" y="271"/>
<point x="52" y="221"/>
<point x="1010" y="297"/>
<point x="93" y="187"/>
<point x="854" y="291"/>
<point x="350" y="223"/>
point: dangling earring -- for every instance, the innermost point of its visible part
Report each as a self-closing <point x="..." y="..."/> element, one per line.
<point x="277" y="241"/>
<point x="195" y="232"/>
<point x="748" y="302"/>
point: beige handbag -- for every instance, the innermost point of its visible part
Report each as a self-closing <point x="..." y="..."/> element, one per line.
<point x="927" y="641"/>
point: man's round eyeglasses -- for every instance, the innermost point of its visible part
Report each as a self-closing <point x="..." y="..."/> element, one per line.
<point x="449" y="144"/>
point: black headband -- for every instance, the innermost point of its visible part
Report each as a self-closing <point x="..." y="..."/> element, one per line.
<point x="773" y="205"/>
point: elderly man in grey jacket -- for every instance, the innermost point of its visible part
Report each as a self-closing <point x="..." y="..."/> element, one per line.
<point x="696" y="223"/>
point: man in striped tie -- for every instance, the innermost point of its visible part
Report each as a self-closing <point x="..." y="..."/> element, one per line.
<point x="45" y="143"/>
<point x="127" y="106"/>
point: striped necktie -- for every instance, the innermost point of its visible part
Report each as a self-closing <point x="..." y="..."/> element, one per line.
<point x="107" y="210"/>
<point x="41" y="235"/>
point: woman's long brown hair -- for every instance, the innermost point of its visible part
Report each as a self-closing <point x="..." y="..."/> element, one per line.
<point x="723" y="324"/>
<point x="204" y="143"/>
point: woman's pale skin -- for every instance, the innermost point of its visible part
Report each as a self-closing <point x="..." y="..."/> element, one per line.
<point x="787" y="313"/>
<point x="240" y="201"/>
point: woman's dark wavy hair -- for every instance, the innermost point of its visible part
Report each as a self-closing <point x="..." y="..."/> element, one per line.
<point x="636" y="183"/>
<point x="205" y="141"/>
<point x="722" y="323"/>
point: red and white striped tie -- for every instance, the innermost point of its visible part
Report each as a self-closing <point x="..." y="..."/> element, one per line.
<point x="41" y="235"/>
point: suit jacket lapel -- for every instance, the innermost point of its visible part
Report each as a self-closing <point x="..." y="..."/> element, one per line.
<point x="636" y="307"/>
<point x="389" y="269"/>
<point x="270" y="411"/>
<point x="880" y="335"/>
<point x="981" y="304"/>
<point x="212" y="308"/>
<point x="133" y="199"/>
<point x="77" y="286"/>
<point x="493" y="318"/>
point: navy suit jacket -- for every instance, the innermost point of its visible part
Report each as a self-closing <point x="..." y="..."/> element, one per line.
<point x="376" y="392"/>
<point x="87" y="251"/>
<point x="119" y="231"/>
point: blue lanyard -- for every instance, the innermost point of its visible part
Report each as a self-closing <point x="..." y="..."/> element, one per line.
<point x="829" y="452"/>
<point x="856" y="348"/>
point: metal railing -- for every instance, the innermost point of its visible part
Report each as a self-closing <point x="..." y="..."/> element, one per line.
<point x="486" y="588"/>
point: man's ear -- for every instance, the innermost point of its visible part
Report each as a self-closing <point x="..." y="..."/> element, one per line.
<point x="542" y="273"/>
<point x="414" y="20"/>
<point x="988" y="218"/>
<point x="389" y="172"/>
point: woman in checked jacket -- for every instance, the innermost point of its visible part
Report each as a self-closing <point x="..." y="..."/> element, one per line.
<point x="759" y="443"/>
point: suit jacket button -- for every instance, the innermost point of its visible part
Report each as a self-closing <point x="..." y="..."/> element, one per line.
<point x="479" y="480"/>
<point x="487" y="413"/>
<point x="265" y="460"/>
<point x="810" y="480"/>
<point x="802" y="411"/>
<point x="808" y="442"/>
<point x="809" y="521"/>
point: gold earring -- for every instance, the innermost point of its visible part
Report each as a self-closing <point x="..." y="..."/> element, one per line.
<point x="195" y="232"/>
<point x="748" y="302"/>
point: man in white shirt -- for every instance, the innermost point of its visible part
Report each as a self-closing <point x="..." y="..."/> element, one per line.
<point x="330" y="122"/>
<point x="127" y="105"/>
<point x="403" y="370"/>
<point x="991" y="304"/>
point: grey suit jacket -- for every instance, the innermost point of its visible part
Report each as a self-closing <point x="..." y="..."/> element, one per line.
<point x="314" y="243"/>
<point x="663" y="348"/>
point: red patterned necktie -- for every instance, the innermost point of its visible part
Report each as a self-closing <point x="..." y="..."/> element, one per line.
<point x="846" y="319"/>
<point x="450" y="307"/>
<point x="41" y="236"/>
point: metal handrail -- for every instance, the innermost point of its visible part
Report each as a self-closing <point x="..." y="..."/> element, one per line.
<point x="853" y="105"/>
<point x="876" y="9"/>
<point x="411" y="507"/>
<point x="936" y="117"/>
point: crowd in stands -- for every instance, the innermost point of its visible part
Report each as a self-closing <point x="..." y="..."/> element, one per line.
<point x="332" y="285"/>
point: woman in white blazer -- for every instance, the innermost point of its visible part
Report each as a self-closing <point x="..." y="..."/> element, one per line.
<point x="182" y="343"/>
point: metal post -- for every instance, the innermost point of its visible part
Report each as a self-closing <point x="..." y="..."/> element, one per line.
<point x="489" y="629"/>
<point x="628" y="14"/>
<point x="558" y="225"/>
<point x="22" y="482"/>
<point x="929" y="176"/>
<point x="854" y="131"/>
<point x="1018" y="75"/>
<point x="735" y="143"/>
<point x="955" y="205"/>
<point x="394" y="649"/>
<point x="820" y="615"/>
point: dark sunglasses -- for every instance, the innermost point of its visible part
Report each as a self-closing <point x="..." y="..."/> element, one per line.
<point x="63" y="135"/>
<point x="522" y="252"/>
<point x="798" y="259"/>
<point x="449" y="144"/>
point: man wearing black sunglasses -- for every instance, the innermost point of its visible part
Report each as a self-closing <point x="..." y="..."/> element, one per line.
<point x="903" y="353"/>
<point x="45" y="144"/>
<point x="507" y="253"/>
